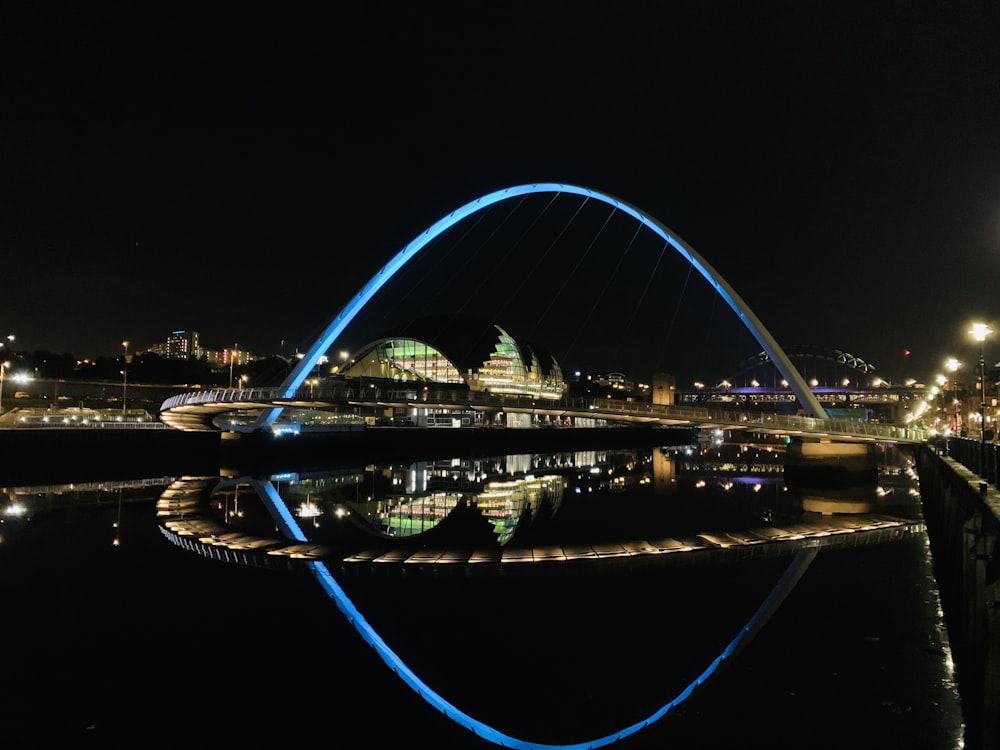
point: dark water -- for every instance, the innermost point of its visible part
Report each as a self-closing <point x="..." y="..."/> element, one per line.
<point x="183" y="607"/>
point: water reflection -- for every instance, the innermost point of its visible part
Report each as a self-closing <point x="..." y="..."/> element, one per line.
<point x="408" y="501"/>
<point x="523" y="514"/>
<point x="667" y="569"/>
<point x="559" y="507"/>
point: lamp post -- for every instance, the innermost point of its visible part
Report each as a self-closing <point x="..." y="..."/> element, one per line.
<point x="979" y="332"/>
<point x="951" y="364"/>
<point x="941" y="381"/>
<point x="3" y="369"/>
<point x="124" y="376"/>
<point x="232" y="359"/>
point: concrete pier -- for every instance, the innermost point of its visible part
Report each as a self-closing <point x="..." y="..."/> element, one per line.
<point x="830" y="465"/>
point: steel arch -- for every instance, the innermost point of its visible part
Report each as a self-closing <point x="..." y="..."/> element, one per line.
<point x="801" y="351"/>
<point x="298" y="375"/>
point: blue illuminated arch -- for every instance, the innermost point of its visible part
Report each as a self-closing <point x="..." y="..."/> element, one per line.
<point x="297" y="377"/>
<point x="289" y="526"/>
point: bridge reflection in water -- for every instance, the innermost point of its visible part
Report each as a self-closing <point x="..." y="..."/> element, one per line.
<point x="559" y="600"/>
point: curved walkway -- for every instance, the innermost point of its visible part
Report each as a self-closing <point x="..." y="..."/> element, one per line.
<point x="196" y="411"/>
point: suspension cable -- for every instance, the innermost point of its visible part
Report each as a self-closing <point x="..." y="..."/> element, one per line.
<point x="570" y="275"/>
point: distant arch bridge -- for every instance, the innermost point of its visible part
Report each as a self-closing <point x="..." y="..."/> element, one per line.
<point x="809" y="356"/>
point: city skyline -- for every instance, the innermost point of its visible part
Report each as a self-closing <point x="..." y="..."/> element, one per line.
<point x="244" y="175"/>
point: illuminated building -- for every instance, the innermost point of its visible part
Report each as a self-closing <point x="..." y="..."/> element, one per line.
<point x="460" y="350"/>
<point x="182" y="345"/>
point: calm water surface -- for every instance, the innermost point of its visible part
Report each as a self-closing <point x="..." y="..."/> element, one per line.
<point x="533" y="599"/>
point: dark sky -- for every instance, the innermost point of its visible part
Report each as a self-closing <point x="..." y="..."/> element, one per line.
<point x="242" y="169"/>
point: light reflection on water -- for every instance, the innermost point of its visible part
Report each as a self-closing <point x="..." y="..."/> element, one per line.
<point x="612" y="510"/>
<point x="653" y="500"/>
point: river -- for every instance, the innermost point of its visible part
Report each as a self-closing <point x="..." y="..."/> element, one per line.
<point x="662" y="595"/>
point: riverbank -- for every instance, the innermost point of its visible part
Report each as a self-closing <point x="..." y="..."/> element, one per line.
<point x="963" y="527"/>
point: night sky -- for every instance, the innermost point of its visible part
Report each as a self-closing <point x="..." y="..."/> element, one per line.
<point x="242" y="169"/>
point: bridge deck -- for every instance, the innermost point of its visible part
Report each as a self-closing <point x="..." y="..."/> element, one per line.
<point x="196" y="411"/>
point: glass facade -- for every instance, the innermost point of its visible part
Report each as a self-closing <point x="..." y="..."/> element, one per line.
<point x="409" y="359"/>
<point x="509" y="369"/>
<point x="519" y="371"/>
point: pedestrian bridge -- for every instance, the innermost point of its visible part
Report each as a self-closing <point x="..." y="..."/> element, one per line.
<point x="259" y="409"/>
<point x="235" y="409"/>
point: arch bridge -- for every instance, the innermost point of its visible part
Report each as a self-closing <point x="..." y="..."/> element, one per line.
<point x="196" y="411"/>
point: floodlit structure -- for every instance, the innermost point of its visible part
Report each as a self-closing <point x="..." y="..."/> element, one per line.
<point x="460" y="350"/>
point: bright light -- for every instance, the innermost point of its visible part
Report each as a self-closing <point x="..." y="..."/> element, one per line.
<point x="308" y="510"/>
<point x="979" y="331"/>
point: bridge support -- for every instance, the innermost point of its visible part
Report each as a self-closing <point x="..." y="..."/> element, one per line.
<point x="664" y="388"/>
<point x="826" y="465"/>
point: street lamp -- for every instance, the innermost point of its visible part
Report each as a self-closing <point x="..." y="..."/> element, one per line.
<point x="124" y="376"/>
<point x="3" y="369"/>
<point x="941" y="381"/>
<point x="232" y="361"/>
<point x="951" y="365"/>
<point x="979" y="332"/>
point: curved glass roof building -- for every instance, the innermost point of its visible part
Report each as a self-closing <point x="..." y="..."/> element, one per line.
<point x="459" y="350"/>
